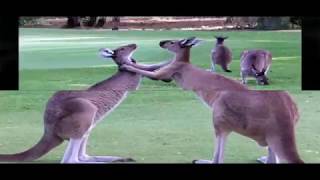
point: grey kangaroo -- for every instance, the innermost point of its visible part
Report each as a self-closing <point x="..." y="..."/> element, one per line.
<point x="221" y="55"/>
<point x="268" y="117"/>
<point x="73" y="114"/>
<point x="255" y="63"/>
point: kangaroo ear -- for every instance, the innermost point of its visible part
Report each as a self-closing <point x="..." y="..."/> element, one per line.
<point x="183" y="42"/>
<point x="106" y="53"/>
<point x="192" y="41"/>
<point x="225" y="37"/>
<point x="195" y="42"/>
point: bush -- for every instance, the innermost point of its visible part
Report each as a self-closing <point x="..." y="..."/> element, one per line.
<point x="273" y="23"/>
<point x="28" y="21"/>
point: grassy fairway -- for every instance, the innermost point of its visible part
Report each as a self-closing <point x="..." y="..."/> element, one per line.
<point x="160" y="122"/>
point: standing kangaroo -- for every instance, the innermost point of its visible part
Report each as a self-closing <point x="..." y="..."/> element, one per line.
<point x="268" y="117"/>
<point x="221" y="55"/>
<point x="71" y="115"/>
<point x="255" y="63"/>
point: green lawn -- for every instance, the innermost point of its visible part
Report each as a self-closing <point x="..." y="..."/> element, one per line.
<point x="160" y="123"/>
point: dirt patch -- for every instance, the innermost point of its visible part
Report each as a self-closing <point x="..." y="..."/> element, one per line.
<point x="167" y="24"/>
<point x="145" y="23"/>
<point x="156" y="23"/>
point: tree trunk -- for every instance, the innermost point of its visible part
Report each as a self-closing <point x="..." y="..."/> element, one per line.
<point x="73" y="21"/>
<point x="89" y="21"/>
<point x="115" y="23"/>
<point x="101" y="22"/>
<point x="229" y="20"/>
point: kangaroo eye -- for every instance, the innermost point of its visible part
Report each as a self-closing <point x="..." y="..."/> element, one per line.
<point x="171" y="42"/>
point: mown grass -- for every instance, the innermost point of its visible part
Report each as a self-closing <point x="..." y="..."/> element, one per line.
<point x="159" y="123"/>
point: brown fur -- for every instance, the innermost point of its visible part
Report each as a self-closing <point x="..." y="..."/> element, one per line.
<point x="73" y="113"/>
<point x="221" y="55"/>
<point x="268" y="117"/>
<point x="255" y="63"/>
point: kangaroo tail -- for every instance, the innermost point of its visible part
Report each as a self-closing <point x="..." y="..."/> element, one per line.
<point x="45" y="144"/>
<point x="225" y="68"/>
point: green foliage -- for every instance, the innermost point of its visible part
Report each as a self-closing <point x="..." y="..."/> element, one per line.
<point x="273" y="23"/>
<point x="28" y="21"/>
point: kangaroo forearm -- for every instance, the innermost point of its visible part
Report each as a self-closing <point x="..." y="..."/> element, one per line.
<point x="144" y="67"/>
<point x="149" y="74"/>
<point x="145" y="73"/>
<point x="161" y="64"/>
<point x="151" y="67"/>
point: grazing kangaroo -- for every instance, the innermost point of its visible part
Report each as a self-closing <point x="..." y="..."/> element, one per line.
<point x="255" y="63"/>
<point x="268" y="117"/>
<point x="72" y="114"/>
<point x="221" y="55"/>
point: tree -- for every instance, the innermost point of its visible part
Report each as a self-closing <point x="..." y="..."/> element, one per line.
<point x="296" y="20"/>
<point x="273" y="23"/>
<point x="101" y="21"/>
<point x="72" y="22"/>
<point x="242" y="22"/>
<point x="28" y="20"/>
<point x="88" y="21"/>
<point x="229" y="20"/>
<point x="115" y="22"/>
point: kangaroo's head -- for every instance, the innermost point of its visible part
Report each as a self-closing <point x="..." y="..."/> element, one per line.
<point x="178" y="46"/>
<point x="121" y="55"/>
<point x="220" y="39"/>
<point x="260" y="76"/>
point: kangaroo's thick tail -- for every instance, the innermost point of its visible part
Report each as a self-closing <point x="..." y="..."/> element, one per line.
<point x="225" y="67"/>
<point x="285" y="147"/>
<point x="45" y="144"/>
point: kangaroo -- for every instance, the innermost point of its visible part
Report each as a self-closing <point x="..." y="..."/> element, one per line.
<point x="255" y="63"/>
<point x="72" y="114"/>
<point x="221" y="55"/>
<point x="268" y="117"/>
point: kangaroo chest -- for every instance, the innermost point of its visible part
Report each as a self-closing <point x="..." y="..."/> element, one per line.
<point x="107" y="102"/>
<point x="104" y="98"/>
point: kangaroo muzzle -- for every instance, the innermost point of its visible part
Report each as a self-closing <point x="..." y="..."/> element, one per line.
<point x="162" y="43"/>
<point x="106" y="53"/>
<point x="133" y="46"/>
